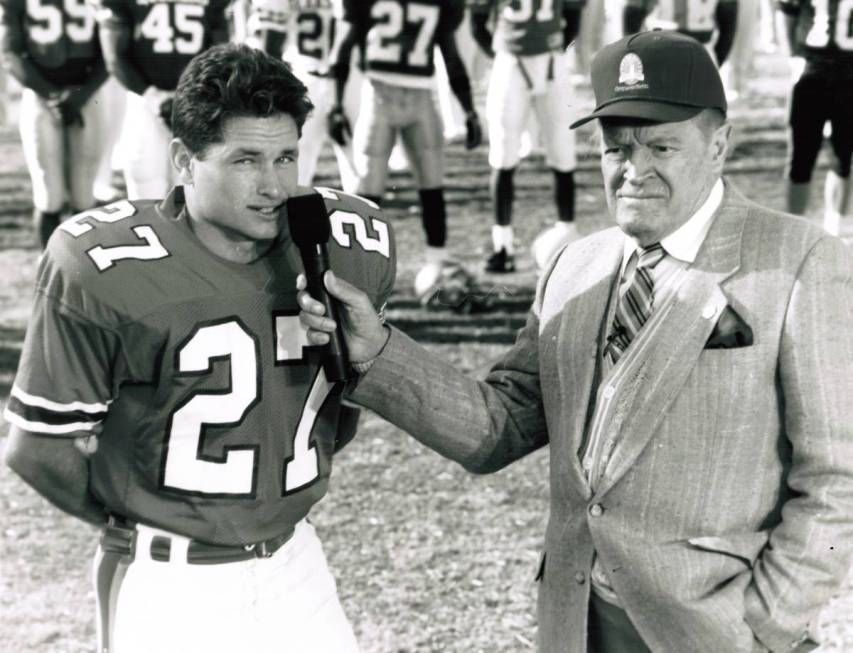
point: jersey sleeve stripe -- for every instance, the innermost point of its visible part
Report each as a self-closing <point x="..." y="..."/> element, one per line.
<point x="37" y="426"/>
<point x="41" y="402"/>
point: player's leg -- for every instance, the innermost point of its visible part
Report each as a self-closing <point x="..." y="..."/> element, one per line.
<point x="167" y="605"/>
<point x="738" y="67"/>
<point x="550" y="108"/>
<point x="286" y="602"/>
<point x="115" y="98"/>
<point x="373" y="138"/>
<point x="836" y="195"/>
<point x="589" y="39"/>
<point x="321" y="91"/>
<point x="344" y="154"/>
<point x="805" y="135"/>
<point x="299" y="597"/>
<point x="43" y="142"/>
<point x="507" y="107"/>
<point x="148" y="171"/>
<point x="86" y="147"/>
<point x="423" y="143"/>
<point x="442" y="282"/>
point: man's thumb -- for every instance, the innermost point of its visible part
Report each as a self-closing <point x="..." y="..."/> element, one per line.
<point x="340" y="289"/>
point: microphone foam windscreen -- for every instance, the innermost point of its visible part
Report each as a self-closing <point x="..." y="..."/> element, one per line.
<point x="308" y="220"/>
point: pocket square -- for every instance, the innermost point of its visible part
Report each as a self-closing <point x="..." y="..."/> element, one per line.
<point x="730" y="331"/>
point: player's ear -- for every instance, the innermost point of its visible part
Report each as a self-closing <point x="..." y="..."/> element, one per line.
<point x="181" y="158"/>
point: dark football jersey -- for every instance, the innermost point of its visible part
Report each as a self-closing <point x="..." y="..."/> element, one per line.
<point x="824" y="29"/>
<point x="58" y="36"/>
<point x="166" y="34"/>
<point x="695" y="18"/>
<point x="526" y="27"/>
<point x="310" y="23"/>
<point x="213" y="416"/>
<point x="399" y="36"/>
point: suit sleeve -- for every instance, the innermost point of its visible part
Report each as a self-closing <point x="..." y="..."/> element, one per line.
<point x="810" y="551"/>
<point x="483" y="425"/>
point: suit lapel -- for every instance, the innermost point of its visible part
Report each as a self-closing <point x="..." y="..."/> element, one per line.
<point x="655" y="367"/>
<point x="577" y="341"/>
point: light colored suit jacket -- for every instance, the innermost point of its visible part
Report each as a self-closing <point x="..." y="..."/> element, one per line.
<point x="725" y="517"/>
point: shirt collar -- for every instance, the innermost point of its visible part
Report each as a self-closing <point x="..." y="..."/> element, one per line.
<point x="684" y="242"/>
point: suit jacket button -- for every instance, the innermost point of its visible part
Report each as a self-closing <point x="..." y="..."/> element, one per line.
<point x="709" y="311"/>
<point x="580" y="578"/>
<point x="609" y="391"/>
<point x="596" y="510"/>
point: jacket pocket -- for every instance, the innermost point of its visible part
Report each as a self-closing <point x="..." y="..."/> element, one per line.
<point x="746" y="546"/>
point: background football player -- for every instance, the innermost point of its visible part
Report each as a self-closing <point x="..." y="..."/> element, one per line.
<point x="530" y="70"/>
<point x="311" y="24"/>
<point x="146" y="45"/>
<point x="711" y="22"/>
<point x="51" y="48"/>
<point x="209" y="425"/>
<point x="820" y="38"/>
<point x="397" y="41"/>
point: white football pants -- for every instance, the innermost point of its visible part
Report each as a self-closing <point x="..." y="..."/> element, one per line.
<point x="287" y="603"/>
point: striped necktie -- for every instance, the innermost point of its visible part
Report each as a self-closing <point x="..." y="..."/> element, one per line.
<point x="635" y="304"/>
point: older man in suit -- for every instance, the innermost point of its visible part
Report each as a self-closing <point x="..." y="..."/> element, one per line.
<point x="692" y="371"/>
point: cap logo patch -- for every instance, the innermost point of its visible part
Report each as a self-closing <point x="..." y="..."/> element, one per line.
<point x="631" y="70"/>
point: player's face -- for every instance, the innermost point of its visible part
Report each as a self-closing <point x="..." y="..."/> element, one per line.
<point x="238" y="185"/>
<point x="656" y="176"/>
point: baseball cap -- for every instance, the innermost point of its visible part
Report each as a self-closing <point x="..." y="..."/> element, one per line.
<point x="661" y="75"/>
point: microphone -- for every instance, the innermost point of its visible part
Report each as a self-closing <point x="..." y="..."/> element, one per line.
<point x="310" y="230"/>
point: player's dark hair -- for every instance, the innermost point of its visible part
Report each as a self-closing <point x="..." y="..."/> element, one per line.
<point x="232" y="81"/>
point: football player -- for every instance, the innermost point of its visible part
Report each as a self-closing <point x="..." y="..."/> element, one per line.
<point x="701" y="19"/>
<point x="820" y="40"/>
<point x="311" y="24"/>
<point x="396" y="40"/>
<point x="146" y="44"/>
<point x="530" y="70"/>
<point x="166" y="393"/>
<point x="51" y="47"/>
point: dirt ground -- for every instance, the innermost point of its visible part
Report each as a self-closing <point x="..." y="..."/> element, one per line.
<point x="428" y="557"/>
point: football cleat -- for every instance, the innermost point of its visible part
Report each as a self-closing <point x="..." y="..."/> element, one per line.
<point x="500" y="262"/>
<point x="449" y="286"/>
<point x="551" y="241"/>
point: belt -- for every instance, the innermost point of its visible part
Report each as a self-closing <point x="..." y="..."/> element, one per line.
<point x="126" y="538"/>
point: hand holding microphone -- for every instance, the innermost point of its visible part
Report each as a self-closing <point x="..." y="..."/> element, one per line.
<point x="310" y="230"/>
<point x="335" y="313"/>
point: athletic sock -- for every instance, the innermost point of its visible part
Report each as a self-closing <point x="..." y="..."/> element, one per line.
<point x="564" y="194"/>
<point x="434" y="216"/>
<point x="503" y="193"/>
<point x="435" y="255"/>
<point x="45" y="224"/>
<point x="502" y="238"/>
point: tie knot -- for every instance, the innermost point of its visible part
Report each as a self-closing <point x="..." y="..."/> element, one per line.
<point x="650" y="256"/>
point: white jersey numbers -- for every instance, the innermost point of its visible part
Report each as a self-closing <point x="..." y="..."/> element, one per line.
<point x="105" y="257"/>
<point x="80" y="223"/>
<point x="48" y="23"/>
<point x="186" y="467"/>
<point x="522" y="11"/>
<point x="819" y="34"/>
<point x="151" y="249"/>
<point x="185" y="35"/>
<point x="348" y="224"/>
<point x="385" y="43"/>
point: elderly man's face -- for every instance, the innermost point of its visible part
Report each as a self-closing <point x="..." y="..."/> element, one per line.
<point x="657" y="175"/>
